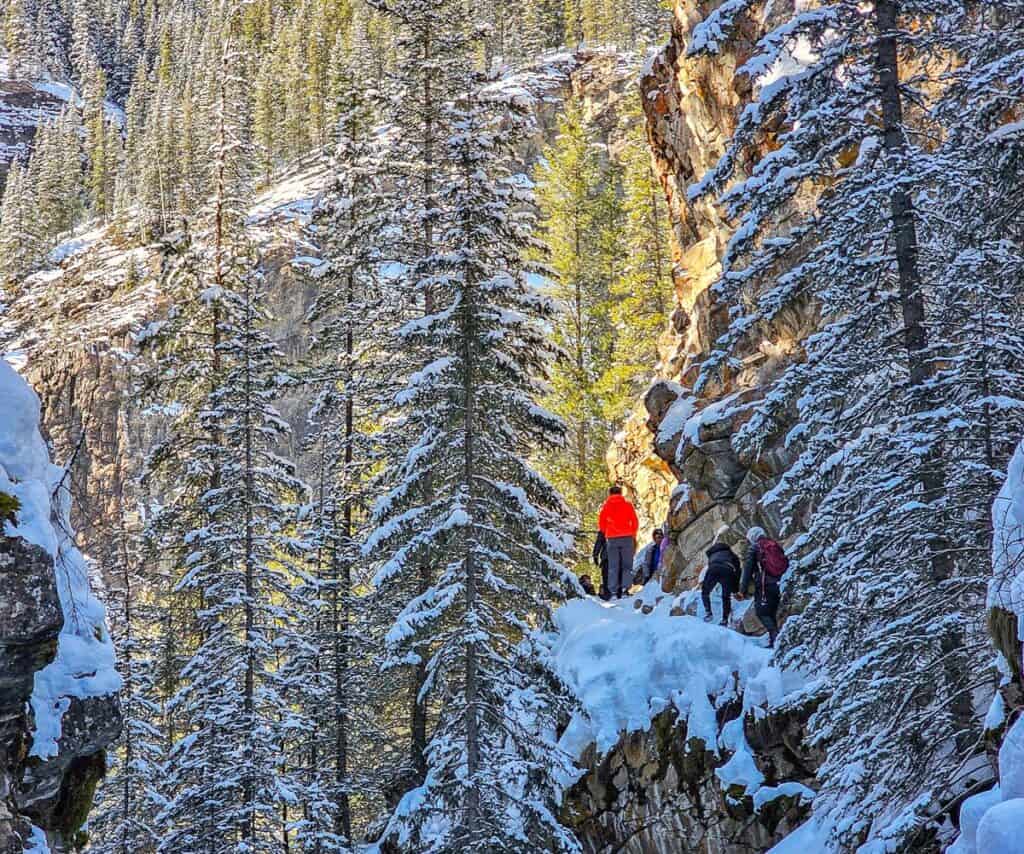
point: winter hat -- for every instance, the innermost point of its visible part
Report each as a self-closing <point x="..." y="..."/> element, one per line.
<point x="755" y="534"/>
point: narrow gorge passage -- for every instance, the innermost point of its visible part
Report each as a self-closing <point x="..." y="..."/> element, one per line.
<point x="330" y="328"/>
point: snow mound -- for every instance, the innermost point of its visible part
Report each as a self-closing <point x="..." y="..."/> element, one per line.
<point x="626" y="667"/>
<point x="992" y="822"/>
<point x="1006" y="588"/>
<point x="84" y="664"/>
<point x="971" y="812"/>
<point x="1000" y="829"/>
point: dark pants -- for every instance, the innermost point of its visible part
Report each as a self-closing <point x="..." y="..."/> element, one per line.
<point x="605" y="593"/>
<point x="715" y="577"/>
<point x="766" y="606"/>
<point x="620" y="565"/>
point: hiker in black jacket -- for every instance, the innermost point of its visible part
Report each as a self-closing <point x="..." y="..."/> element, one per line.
<point x="723" y="570"/>
<point x="600" y="556"/>
<point x="764" y="567"/>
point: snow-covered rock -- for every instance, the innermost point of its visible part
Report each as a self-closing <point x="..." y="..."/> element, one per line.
<point x="993" y="821"/>
<point x="685" y="729"/>
<point x="56" y="657"/>
<point x="1006" y="589"/>
<point x="1001" y="829"/>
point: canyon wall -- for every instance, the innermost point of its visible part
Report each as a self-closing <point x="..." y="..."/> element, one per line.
<point x="675" y="450"/>
<point x="58" y="686"/>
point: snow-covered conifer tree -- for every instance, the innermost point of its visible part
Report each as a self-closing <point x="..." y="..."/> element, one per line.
<point x="349" y="316"/>
<point x="230" y="520"/>
<point x="431" y="63"/>
<point x="20" y="241"/>
<point x="834" y="221"/>
<point x="468" y="502"/>
<point x="130" y="796"/>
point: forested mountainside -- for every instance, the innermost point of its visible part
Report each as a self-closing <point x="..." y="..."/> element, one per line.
<point x="343" y="315"/>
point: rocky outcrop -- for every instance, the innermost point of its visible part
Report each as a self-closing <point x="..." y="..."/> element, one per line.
<point x="708" y="484"/>
<point x="53" y="795"/>
<point x="23" y="107"/>
<point x="656" y="792"/>
<point x="58" y="703"/>
<point x="30" y="620"/>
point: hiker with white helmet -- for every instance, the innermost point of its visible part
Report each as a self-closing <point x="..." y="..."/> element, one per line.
<point x="765" y="565"/>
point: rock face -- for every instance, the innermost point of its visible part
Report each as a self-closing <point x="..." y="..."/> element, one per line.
<point x="656" y="792"/>
<point x="58" y="706"/>
<point x="707" y="485"/>
<point x="23" y="107"/>
<point x="30" y="620"/>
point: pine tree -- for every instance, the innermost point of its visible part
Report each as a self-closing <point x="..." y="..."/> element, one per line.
<point x="231" y="521"/>
<point x="102" y="146"/>
<point x="17" y="39"/>
<point x="349" y="316"/>
<point x="20" y="242"/>
<point x="432" y="55"/>
<point x="469" y="502"/>
<point x="129" y="797"/>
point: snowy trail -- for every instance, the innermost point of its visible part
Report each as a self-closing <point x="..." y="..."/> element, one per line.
<point x="626" y="667"/>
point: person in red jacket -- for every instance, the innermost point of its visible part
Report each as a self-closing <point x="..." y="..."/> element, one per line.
<point x="618" y="522"/>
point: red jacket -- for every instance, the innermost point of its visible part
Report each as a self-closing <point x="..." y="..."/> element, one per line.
<point x="617" y="518"/>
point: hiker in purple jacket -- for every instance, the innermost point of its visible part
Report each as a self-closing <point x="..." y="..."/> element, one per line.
<point x="764" y="567"/>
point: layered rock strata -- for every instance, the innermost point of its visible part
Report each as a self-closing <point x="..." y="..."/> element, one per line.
<point x="656" y="792"/>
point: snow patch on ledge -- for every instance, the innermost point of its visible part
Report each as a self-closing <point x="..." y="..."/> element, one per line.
<point x="626" y="667"/>
<point x="84" y="664"/>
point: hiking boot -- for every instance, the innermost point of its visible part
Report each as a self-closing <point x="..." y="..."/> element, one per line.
<point x="724" y="622"/>
<point x="708" y="618"/>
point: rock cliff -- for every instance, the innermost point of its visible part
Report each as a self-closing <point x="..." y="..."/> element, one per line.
<point x="677" y="449"/>
<point x="656" y="792"/>
<point x="58" y="702"/>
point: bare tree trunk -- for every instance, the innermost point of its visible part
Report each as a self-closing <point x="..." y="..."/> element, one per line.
<point x="342" y="626"/>
<point x="472" y="711"/>
<point x="915" y="338"/>
<point x="249" y="788"/>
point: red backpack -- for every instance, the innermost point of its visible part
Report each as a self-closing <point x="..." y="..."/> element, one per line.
<point x="772" y="558"/>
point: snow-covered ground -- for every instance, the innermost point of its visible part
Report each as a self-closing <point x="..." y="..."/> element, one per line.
<point x="84" y="665"/>
<point x="993" y="822"/>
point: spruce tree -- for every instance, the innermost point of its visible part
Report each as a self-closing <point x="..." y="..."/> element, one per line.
<point x="130" y="796"/>
<point x="20" y="242"/>
<point x="468" y="502"/>
<point x="432" y="57"/>
<point x="230" y="521"/>
<point x="349" y="317"/>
